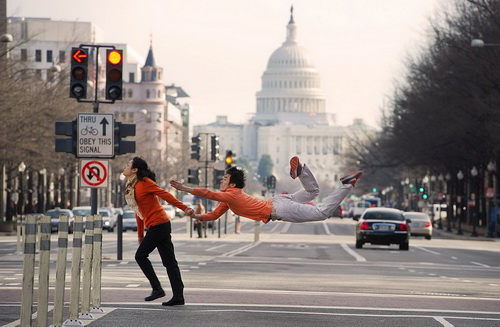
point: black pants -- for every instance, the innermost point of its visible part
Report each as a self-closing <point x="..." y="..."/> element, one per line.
<point x="159" y="237"/>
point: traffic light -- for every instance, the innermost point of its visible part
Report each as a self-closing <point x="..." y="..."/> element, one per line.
<point x="195" y="147"/>
<point x="66" y="128"/>
<point x="271" y="182"/>
<point x="229" y="158"/>
<point x="194" y="176"/>
<point x="114" y="72"/>
<point x="423" y="195"/>
<point x="123" y="130"/>
<point x="218" y="175"/>
<point x="374" y="190"/>
<point x="214" y="141"/>
<point x="78" y="73"/>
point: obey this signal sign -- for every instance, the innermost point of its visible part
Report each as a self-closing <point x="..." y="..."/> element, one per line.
<point x="95" y="135"/>
<point x="94" y="173"/>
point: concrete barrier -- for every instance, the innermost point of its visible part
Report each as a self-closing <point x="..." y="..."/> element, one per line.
<point x="62" y="254"/>
<point x="28" y="271"/>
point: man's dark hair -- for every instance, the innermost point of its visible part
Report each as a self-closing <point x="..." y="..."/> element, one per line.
<point x="237" y="176"/>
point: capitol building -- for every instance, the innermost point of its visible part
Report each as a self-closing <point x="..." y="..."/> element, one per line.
<point x="290" y="118"/>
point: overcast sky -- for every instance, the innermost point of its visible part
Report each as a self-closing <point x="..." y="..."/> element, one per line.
<point x="217" y="50"/>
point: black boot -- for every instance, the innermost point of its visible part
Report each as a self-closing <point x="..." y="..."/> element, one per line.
<point x="175" y="300"/>
<point x="155" y="294"/>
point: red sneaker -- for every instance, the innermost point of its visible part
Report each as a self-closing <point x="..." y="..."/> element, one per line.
<point x="352" y="178"/>
<point x="295" y="167"/>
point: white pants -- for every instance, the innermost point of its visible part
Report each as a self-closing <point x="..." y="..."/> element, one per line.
<point x="293" y="207"/>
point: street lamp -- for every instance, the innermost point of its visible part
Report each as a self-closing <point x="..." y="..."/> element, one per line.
<point x="63" y="188"/>
<point x="449" y="208"/>
<point x="474" y="174"/>
<point x="492" y="168"/>
<point x="460" y="177"/>
<point x="20" y="202"/>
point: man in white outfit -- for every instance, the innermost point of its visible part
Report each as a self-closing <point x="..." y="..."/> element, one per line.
<point x="285" y="207"/>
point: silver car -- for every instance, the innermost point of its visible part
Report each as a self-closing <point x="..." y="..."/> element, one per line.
<point x="420" y="225"/>
<point x="129" y="221"/>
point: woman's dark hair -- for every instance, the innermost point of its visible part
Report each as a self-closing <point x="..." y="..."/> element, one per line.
<point x="237" y="176"/>
<point x="143" y="169"/>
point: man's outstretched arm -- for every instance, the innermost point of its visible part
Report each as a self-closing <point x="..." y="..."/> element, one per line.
<point x="181" y="187"/>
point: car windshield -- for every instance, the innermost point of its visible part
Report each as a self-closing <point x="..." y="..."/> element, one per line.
<point x="383" y="215"/>
<point x="56" y="214"/>
<point x="104" y="213"/>
<point x="81" y="212"/>
<point x="129" y="215"/>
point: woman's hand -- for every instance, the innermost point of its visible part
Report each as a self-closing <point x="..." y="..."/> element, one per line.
<point x="189" y="211"/>
<point x="140" y="239"/>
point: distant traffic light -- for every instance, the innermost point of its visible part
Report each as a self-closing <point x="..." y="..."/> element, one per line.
<point x="123" y="130"/>
<point x="271" y="182"/>
<point x="195" y="147"/>
<point x="229" y="158"/>
<point x="374" y="190"/>
<point x="66" y="128"/>
<point x="194" y="176"/>
<point x="78" y="73"/>
<point x="114" y="73"/>
<point x="214" y="141"/>
<point x="218" y="175"/>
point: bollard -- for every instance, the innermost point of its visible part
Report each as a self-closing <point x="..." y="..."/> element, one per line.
<point x="44" y="271"/>
<point x="119" y="238"/>
<point x="256" y="231"/>
<point x="19" y="229"/>
<point x="28" y="271"/>
<point x="74" y="296"/>
<point x="87" y="270"/>
<point x="62" y="251"/>
<point x="97" y="265"/>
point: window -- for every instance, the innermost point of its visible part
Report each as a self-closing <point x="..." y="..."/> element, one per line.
<point x="147" y="94"/>
<point x="49" y="56"/>
<point x="24" y="54"/>
<point x="131" y="77"/>
<point x="62" y="56"/>
<point x="38" y="55"/>
<point x="129" y="93"/>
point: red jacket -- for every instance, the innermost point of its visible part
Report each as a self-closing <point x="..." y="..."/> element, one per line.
<point x="146" y="196"/>
<point x="238" y="201"/>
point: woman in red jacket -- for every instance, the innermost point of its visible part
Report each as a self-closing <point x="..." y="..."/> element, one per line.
<point x="142" y="195"/>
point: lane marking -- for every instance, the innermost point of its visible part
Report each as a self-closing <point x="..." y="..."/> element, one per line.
<point x="427" y="250"/>
<point x="480" y="264"/>
<point x="215" y="247"/>
<point x="327" y="229"/>
<point x="240" y="250"/>
<point x="286" y="228"/>
<point x="443" y="322"/>
<point x="353" y="253"/>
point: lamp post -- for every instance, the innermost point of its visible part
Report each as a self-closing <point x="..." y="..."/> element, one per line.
<point x="460" y="177"/>
<point x="474" y="197"/>
<point x="42" y="182"/>
<point x="449" y="209"/>
<point x="440" y="200"/>
<point x="492" y="168"/>
<point x="20" y="202"/>
<point x="62" y="184"/>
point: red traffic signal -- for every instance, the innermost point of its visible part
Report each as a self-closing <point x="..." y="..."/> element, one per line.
<point x="78" y="73"/>
<point x="114" y="73"/>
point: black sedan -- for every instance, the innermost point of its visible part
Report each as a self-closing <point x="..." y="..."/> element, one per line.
<point x="383" y="226"/>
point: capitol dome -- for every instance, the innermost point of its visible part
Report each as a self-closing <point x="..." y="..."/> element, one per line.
<point x="291" y="86"/>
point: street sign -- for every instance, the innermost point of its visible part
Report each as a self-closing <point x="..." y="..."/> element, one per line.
<point x="95" y="135"/>
<point x="94" y="173"/>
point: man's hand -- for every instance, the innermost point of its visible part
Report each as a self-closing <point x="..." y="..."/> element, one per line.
<point x="189" y="212"/>
<point x="179" y="186"/>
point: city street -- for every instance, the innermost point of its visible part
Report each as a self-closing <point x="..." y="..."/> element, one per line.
<point x="307" y="274"/>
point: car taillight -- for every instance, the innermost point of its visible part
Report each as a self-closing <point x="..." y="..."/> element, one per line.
<point x="364" y="225"/>
<point x="403" y="227"/>
<point x="428" y="224"/>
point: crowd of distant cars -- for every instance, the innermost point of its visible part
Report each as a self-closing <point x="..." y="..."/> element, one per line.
<point x="109" y="217"/>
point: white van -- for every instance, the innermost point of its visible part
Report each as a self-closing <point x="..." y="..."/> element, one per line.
<point x="359" y="208"/>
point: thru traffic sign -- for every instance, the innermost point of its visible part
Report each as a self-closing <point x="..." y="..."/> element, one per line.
<point x="95" y="135"/>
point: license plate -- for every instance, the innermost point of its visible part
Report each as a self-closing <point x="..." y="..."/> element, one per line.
<point x="384" y="228"/>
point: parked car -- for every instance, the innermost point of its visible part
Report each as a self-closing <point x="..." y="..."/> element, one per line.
<point x="108" y="219"/>
<point x="170" y="210"/>
<point x="359" y="208"/>
<point x="83" y="211"/>
<point x="54" y="215"/>
<point x="383" y="226"/>
<point x="420" y="225"/>
<point x="129" y="221"/>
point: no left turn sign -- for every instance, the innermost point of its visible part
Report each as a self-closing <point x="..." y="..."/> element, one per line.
<point x="94" y="173"/>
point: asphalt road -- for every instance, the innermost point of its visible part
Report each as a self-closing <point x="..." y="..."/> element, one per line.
<point x="295" y="274"/>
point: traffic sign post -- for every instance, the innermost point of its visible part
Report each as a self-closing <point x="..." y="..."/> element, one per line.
<point x="95" y="135"/>
<point x="94" y="173"/>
